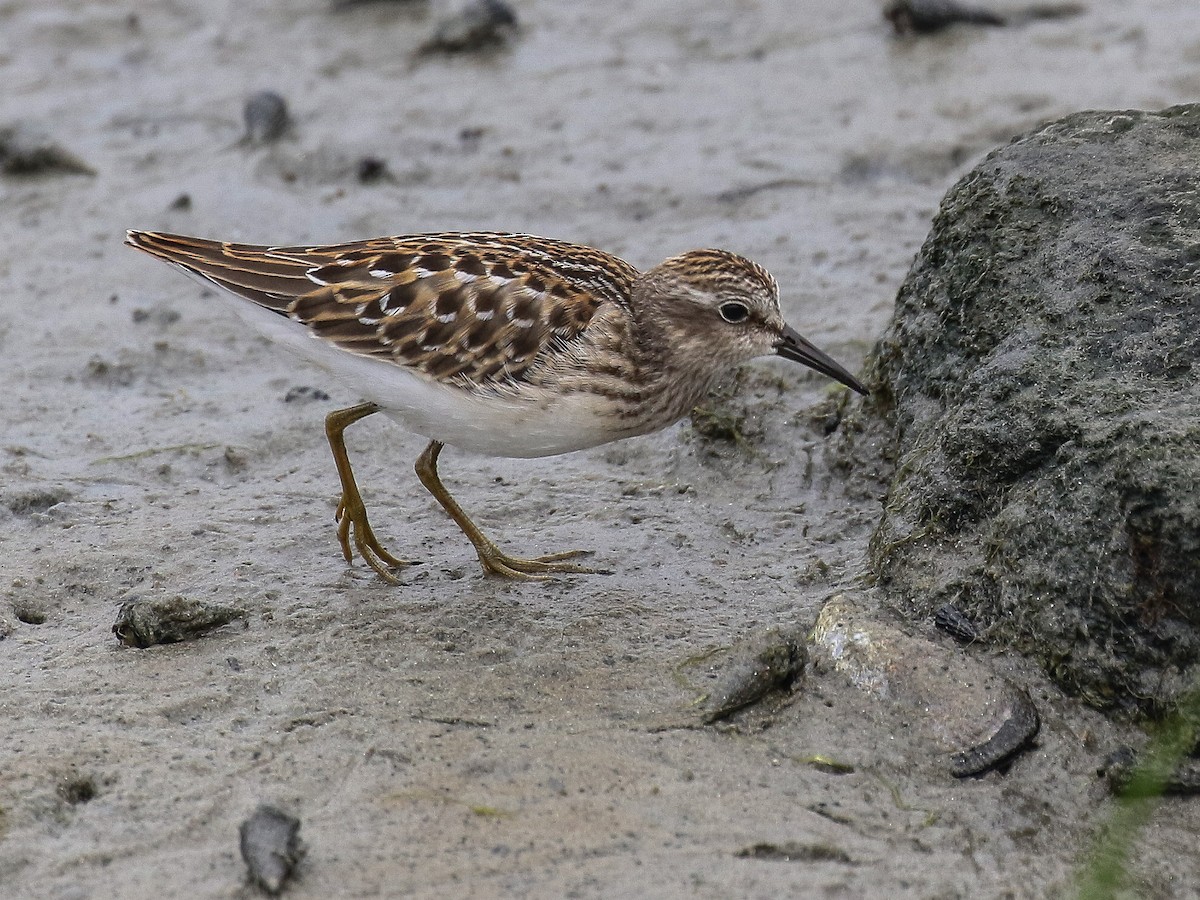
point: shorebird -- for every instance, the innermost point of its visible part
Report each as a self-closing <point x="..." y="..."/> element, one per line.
<point x="503" y="344"/>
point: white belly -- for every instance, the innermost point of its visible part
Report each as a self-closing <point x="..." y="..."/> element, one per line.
<point x="541" y="426"/>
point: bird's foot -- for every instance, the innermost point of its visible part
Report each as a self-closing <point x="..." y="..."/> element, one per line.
<point x="352" y="524"/>
<point x="496" y="562"/>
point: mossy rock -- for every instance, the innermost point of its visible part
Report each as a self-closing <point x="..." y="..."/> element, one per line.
<point x="1038" y="387"/>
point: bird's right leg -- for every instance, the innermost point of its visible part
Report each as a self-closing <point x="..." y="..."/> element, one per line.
<point x="494" y="560"/>
<point x="351" y="515"/>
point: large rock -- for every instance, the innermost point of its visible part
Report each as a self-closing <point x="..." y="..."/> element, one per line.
<point x="1040" y="388"/>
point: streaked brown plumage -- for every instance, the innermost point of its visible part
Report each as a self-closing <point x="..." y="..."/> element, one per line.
<point x="510" y="345"/>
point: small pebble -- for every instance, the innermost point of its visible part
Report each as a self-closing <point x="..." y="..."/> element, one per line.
<point x="1017" y="733"/>
<point x="110" y="374"/>
<point x="235" y="460"/>
<point x="371" y="169"/>
<point x="266" y="117"/>
<point x="161" y="316"/>
<point x="950" y="619"/>
<point x="77" y="789"/>
<point x="271" y="847"/>
<point x="794" y="851"/>
<point x="304" y="394"/>
<point x="928" y="16"/>
<point x="471" y="136"/>
<point x="27" y="501"/>
<point x="769" y="660"/>
<point x="475" y="26"/>
<point x="144" y="622"/>
<point x="26" y="150"/>
<point x="347" y="4"/>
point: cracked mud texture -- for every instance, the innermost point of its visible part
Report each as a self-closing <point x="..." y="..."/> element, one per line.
<point x="458" y="736"/>
<point x="1042" y="376"/>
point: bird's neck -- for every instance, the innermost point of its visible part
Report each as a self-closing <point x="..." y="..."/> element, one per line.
<point x="676" y="371"/>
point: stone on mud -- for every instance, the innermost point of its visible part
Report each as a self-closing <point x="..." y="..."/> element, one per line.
<point x="1039" y="388"/>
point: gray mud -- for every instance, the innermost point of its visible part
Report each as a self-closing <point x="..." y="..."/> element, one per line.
<point x="457" y="735"/>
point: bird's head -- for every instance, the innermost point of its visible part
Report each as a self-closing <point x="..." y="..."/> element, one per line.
<point x="716" y="306"/>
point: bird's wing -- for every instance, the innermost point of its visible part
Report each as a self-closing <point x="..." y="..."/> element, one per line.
<point x="481" y="307"/>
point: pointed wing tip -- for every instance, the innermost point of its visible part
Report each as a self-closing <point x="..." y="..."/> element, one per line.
<point x="156" y="243"/>
<point x="141" y="240"/>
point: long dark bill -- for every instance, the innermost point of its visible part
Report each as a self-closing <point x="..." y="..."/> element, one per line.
<point x="796" y="347"/>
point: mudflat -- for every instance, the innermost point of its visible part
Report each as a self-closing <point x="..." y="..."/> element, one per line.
<point x="456" y="734"/>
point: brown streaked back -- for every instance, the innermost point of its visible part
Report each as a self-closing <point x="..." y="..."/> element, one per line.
<point x="480" y="307"/>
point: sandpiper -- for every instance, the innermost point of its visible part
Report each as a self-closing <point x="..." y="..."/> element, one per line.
<point x="503" y="344"/>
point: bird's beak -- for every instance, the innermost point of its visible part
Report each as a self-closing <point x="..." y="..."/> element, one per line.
<point x="794" y="346"/>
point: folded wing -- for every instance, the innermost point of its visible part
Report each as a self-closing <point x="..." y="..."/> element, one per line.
<point x="478" y="307"/>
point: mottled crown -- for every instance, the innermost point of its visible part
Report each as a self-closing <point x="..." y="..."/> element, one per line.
<point x="707" y="310"/>
<point x="723" y="276"/>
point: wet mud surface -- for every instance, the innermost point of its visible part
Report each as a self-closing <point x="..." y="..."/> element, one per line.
<point x="455" y="734"/>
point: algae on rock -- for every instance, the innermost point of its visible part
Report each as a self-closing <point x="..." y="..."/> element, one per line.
<point x="1040" y="388"/>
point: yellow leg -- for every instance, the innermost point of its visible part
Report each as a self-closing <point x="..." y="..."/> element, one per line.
<point x="494" y="560"/>
<point x="351" y="515"/>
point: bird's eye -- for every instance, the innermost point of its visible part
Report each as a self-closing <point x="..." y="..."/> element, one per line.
<point x="734" y="312"/>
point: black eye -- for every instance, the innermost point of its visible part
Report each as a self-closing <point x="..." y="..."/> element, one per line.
<point x="734" y="312"/>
